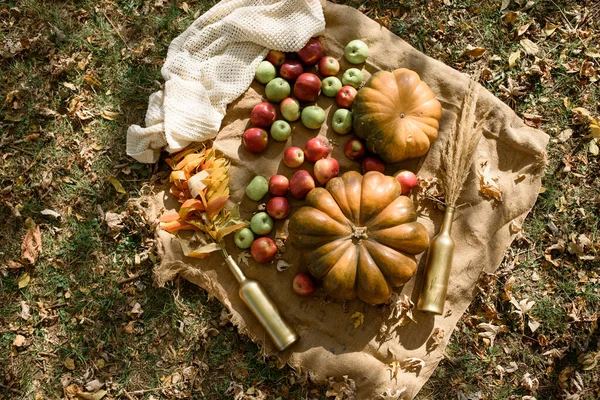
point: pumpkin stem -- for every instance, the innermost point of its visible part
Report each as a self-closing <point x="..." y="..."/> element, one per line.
<point x="359" y="233"/>
<point x="402" y="115"/>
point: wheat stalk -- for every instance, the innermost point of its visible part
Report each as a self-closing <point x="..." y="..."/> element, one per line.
<point x="460" y="146"/>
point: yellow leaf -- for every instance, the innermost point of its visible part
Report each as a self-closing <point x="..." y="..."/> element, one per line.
<point x="358" y="318"/>
<point x="475" y="52"/>
<point x="117" y="184"/>
<point x="69" y="364"/>
<point x="24" y="280"/>
<point x="109" y="115"/>
<point x="513" y="58"/>
<point x="92" y="81"/>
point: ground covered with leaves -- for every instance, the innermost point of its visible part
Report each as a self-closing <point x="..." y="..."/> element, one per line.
<point x="79" y="317"/>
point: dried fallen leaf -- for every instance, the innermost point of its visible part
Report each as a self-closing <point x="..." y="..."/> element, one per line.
<point x="490" y="332"/>
<point x="588" y="361"/>
<point x="437" y="336"/>
<point x="129" y="328"/>
<point x="533" y="324"/>
<point x="94" y="386"/>
<point x="531" y="48"/>
<point x="488" y="184"/>
<point x="282" y="265"/>
<point x="31" y="246"/>
<point x="244" y="258"/>
<point x="593" y="147"/>
<point x="412" y="364"/>
<point x="358" y="318"/>
<point x="19" y="341"/>
<point x="504" y="5"/>
<point x="92" y="396"/>
<point x="401" y="307"/>
<point x="475" y="52"/>
<point x="392" y="394"/>
<point x="25" y="311"/>
<point x="92" y="81"/>
<point x="345" y="389"/>
<point x="69" y="364"/>
<point x="51" y="213"/>
<point x="528" y="383"/>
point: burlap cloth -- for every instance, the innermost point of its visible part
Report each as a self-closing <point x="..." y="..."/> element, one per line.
<point x="330" y="345"/>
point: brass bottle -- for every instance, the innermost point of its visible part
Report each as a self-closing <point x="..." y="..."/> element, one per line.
<point x="437" y="268"/>
<point x="263" y="307"/>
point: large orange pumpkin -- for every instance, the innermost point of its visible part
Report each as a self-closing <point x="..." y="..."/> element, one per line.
<point x="397" y="114"/>
<point x="359" y="236"/>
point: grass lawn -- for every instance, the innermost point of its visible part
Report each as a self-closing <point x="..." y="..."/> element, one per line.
<point x="85" y="316"/>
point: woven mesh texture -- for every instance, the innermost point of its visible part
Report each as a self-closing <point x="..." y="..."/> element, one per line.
<point x="212" y="63"/>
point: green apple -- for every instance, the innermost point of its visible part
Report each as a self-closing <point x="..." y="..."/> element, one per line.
<point x="265" y="72"/>
<point x="290" y="109"/>
<point x="261" y="223"/>
<point x="356" y="52"/>
<point x="313" y="117"/>
<point x="342" y="121"/>
<point x="243" y="238"/>
<point x="281" y="130"/>
<point x="352" y="77"/>
<point x="257" y="188"/>
<point x="330" y="86"/>
<point x="277" y="90"/>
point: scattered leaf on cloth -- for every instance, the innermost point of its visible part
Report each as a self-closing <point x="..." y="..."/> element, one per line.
<point x="31" y="246"/>
<point x="358" y="318"/>
<point x="342" y="390"/>
<point x="488" y="184"/>
<point x="412" y="364"/>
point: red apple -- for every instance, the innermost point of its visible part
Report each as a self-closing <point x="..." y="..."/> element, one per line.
<point x="255" y="140"/>
<point x="263" y="250"/>
<point x="301" y="183"/>
<point x="345" y="97"/>
<point x="293" y="157"/>
<point x="315" y="149"/>
<point x="278" y="207"/>
<point x="307" y="87"/>
<point x="303" y="284"/>
<point x="407" y="180"/>
<point x="311" y="53"/>
<point x="354" y="149"/>
<point x="291" y="70"/>
<point x="275" y="57"/>
<point x="329" y="66"/>
<point x="372" y="164"/>
<point x="325" y="169"/>
<point x="278" y="185"/>
<point x="263" y="114"/>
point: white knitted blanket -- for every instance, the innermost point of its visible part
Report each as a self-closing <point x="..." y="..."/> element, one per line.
<point x="212" y="63"/>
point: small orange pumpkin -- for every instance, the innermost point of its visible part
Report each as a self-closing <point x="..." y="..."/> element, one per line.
<point x="397" y="114"/>
<point x="359" y="236"/>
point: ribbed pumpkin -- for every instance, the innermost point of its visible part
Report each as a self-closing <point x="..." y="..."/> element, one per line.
<point x="359" y="236"/>
<point x="397" y="114"/>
